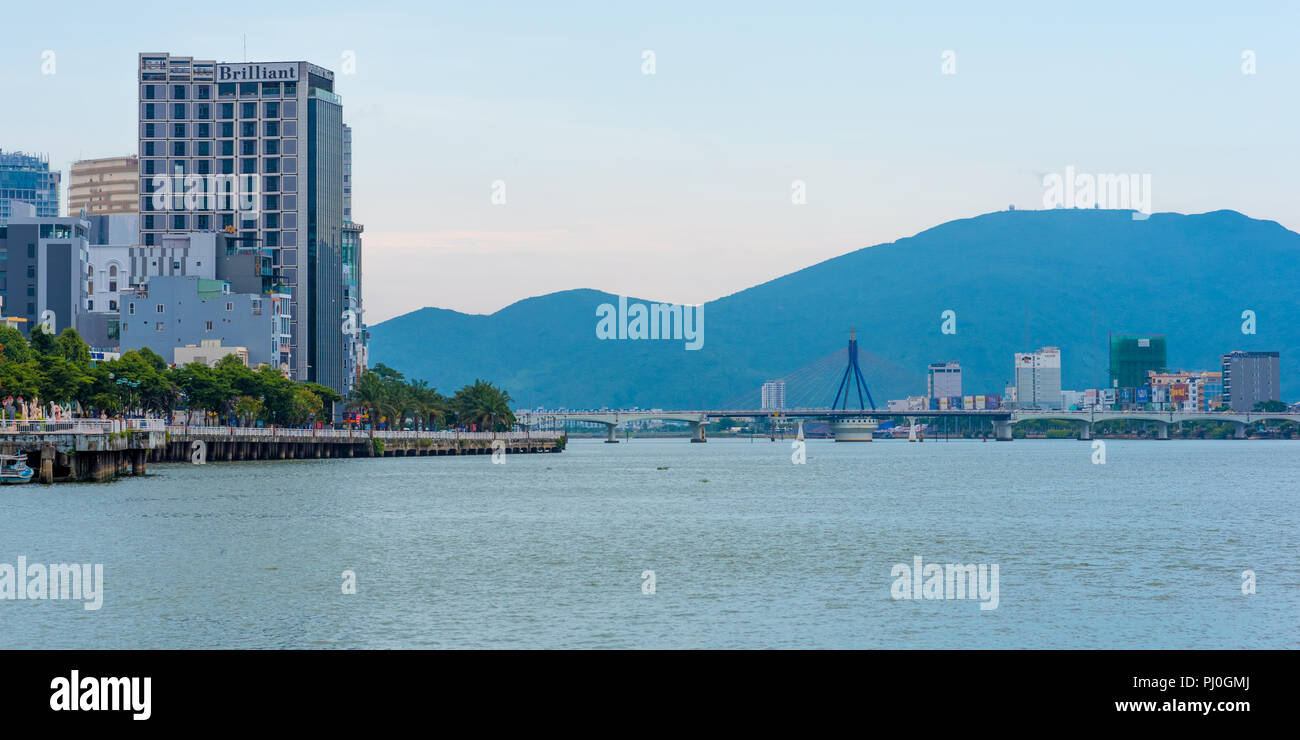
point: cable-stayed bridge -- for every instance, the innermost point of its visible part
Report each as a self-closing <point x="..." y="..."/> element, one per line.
<point x="835" y="388"/>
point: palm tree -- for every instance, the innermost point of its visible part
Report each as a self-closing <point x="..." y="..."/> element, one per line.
<point x="369" y="395"/>
<point x="484" y="405"/>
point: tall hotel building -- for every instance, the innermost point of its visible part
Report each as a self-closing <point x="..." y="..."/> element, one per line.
<point x="272" y="135"/>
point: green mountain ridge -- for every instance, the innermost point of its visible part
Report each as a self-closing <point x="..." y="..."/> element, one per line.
<point x="1056" y="278"/>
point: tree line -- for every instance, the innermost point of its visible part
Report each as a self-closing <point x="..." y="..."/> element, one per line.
<point x="59" y="369"/>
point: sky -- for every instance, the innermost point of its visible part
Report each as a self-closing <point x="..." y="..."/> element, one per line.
<point x="680" y="185"/>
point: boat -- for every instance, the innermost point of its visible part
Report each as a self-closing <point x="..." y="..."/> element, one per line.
<point x="14" y="469"/>
<point x="856" y="429"/>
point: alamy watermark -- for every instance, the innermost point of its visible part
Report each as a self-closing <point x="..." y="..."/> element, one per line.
<point x="182" y="192"/>
<point x="1103" y="190"/>
<point x="923" y="580"/>
<point x="655" y="321"/>
<point x="56" y="581"/>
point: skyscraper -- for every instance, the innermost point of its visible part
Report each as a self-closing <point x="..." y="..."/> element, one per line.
<point x="256" y="149"/>
<point x="27" y="178"/>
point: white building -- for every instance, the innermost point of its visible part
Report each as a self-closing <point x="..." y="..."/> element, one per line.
<point x="773" y="395"/>
<point x="115" y="268"/>
<point x="943" y="380"/>
<point x="1038" y="378"/>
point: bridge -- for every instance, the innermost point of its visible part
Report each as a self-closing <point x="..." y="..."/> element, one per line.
<point x="849" y="382"/>
<point x="1000" y="420"/>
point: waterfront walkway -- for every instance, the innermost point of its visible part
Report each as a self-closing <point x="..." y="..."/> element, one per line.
<point x="102" y="449"/>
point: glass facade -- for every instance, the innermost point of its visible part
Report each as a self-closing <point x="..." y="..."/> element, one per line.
<point x="27" y="178"/>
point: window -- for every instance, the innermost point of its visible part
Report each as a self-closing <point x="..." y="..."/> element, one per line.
<point x="112" y="305"/>
<point x="207" y="326"/>
<point x="176" y="264"/>
<point x="229" y="307"/>
<point x="90" y="305"/>
<point x="160" y="308"/>
<point x="158" y="326"/>
<point x="130" y="308"/>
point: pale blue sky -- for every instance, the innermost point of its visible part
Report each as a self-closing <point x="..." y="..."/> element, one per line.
<point x="677" y="186"/>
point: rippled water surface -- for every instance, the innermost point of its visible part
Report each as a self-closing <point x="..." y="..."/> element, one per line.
<point x="747" y="549"/>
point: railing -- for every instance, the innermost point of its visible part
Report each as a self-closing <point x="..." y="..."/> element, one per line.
<point x="359" y="434"/>
<point x="109" y="426"/>
<point x="80" y="426"/>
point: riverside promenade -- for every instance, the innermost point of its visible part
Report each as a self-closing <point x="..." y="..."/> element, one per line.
<point x="103" y="449"/>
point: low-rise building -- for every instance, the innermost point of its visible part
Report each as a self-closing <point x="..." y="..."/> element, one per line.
<point x="209" y="352"/>
<point x="166" y="313"/>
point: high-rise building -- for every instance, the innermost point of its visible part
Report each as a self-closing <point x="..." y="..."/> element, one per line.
<point x="355" y="335"/>
<point x="27" y="178"/>
<point x="1250" y="378"/>
<point x="773" y="395"/>
<point x="43" y="268"/>
<point x="943" y="380"/>
<point x="1038" y="378"/>
<point x="1133" y="356"/>
<point x="256" y="149"/>
<point x="104" y="186"/>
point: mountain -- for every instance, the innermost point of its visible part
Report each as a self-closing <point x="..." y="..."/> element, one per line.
<point x="1056" y="277"/>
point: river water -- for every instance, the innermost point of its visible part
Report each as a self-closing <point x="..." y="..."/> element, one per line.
<point x="747" y="548"/>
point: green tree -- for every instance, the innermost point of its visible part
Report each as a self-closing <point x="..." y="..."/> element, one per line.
<point x="1272" y="406"/>
<point x="483" y="405"/>
<point x="13" y="346"/>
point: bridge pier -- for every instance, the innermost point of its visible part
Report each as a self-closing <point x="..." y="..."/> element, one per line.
<point x="1002" y="429"/>
<point x="697" y="432"/>
<point x="611" y="434"/>
<point x="1162" y="430"/>
<point x="1238" y="430"/>
<point x="1085" y="430"/>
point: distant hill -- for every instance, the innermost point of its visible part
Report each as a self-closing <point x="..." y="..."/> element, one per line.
<point x="1080" y="274"/>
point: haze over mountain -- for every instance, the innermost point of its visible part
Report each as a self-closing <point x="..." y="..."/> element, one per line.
<point x="1015" y="279"/>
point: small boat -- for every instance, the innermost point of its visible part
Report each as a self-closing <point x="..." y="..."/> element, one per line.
<point x="14" y="469"/>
